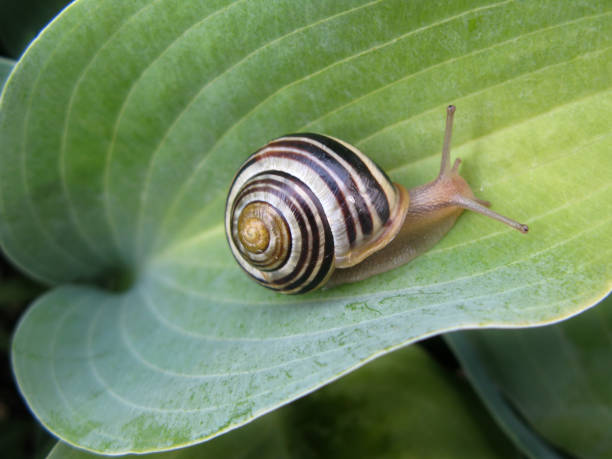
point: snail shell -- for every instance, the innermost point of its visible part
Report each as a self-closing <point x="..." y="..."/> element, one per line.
<point x="306" y="204"/>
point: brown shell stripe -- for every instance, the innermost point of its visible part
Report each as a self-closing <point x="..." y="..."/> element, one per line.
<point x="315" y="258"/>
<point x="330" y="181"/>
<point x="376" y="193"/>
<point x="315" y="152"/>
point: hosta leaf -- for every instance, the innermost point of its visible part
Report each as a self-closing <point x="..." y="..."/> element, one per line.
<point x="125" y="122"/>
<point x="403" y="405"/>
<point x="557" y="378"/>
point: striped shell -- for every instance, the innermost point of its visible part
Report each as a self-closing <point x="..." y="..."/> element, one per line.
<point x="306" y="204"/>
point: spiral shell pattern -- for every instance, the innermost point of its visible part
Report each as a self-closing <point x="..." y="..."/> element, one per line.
<point x="304" y="205"/>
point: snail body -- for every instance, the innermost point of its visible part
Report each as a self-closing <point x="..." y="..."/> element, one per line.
<point x="308" y="209"/>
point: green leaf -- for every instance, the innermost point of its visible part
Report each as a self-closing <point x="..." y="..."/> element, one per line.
<point x="557" y="378"/>
<point x="123" y="125"/>
<point x="22" y="20"/>
<point x="403" y="405"/>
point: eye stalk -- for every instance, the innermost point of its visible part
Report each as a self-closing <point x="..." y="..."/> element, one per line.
<point x="460" y="199"/>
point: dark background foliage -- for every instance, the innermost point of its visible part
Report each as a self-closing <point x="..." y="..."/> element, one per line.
<point x="21" y="436"/>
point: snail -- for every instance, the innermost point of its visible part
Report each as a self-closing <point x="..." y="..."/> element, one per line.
<point x="309" y="209"/>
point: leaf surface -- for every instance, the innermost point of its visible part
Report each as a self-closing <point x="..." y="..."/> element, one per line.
<point x="124" y="124"/>
<point x="403" y="405"/>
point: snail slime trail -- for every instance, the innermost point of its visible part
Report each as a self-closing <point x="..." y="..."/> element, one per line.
<point x="308" y="209"/>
